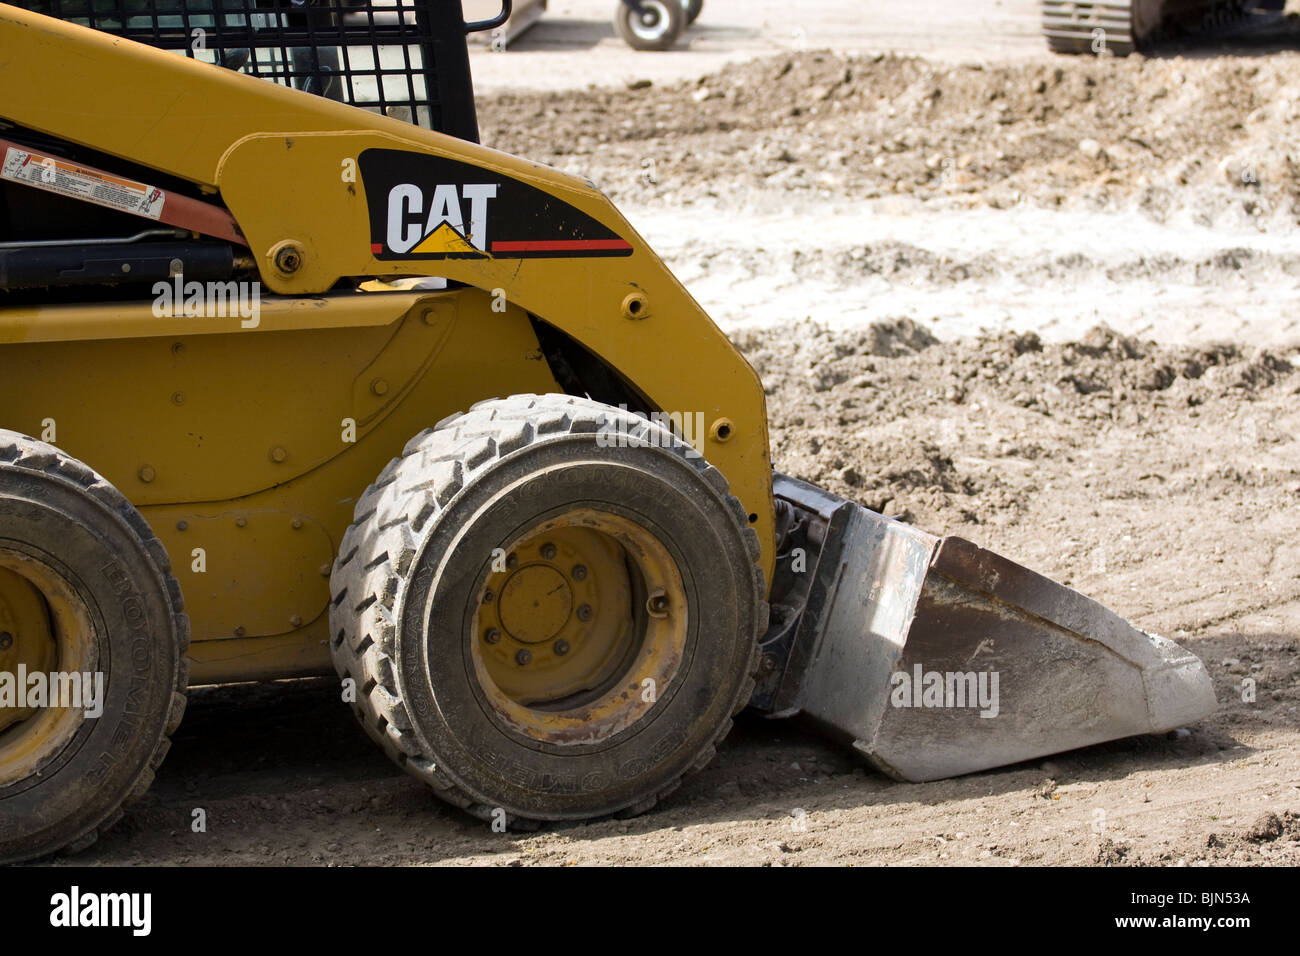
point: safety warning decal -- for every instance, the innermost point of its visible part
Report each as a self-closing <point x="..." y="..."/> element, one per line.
<point x="429" y="207"/>
<point x="68" y="179"/>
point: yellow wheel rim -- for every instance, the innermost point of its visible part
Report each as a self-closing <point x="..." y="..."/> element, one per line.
<point x="44" y="628"/>
<point x="579" y="628"/>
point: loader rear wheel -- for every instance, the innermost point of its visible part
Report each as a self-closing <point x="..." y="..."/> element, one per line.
<point x="543" y="627"/>
<point x="655" y="26"/>
<point x="85" y="589"/>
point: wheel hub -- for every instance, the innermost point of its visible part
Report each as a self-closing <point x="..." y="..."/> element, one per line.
<point x="535" y="604"/>
<point x="579" y="627"/>
<point x="652" y="21"/>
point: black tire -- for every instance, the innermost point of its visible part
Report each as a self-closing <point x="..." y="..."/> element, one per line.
<point x="59" y="520"/>
<point x="421" y="540"/>
<point x="693" y="10"/>
<point x="656" y="29"/>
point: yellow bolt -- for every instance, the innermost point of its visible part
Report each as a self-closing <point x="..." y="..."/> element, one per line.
<point x="147" y="474"/>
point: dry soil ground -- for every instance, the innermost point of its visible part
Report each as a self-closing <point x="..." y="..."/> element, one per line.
<point x="919" y="256"/>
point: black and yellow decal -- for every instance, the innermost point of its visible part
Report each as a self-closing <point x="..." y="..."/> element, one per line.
<point x="430" y="207"/>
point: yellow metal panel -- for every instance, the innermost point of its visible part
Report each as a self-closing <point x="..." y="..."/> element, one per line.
<point x="219" y="416"/>
<point x="263" y="578"/>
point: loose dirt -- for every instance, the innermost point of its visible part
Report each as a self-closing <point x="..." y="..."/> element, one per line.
<point x="1157" y="196"/>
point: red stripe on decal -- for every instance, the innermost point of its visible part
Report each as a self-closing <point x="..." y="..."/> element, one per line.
<point x="560" y="245"/>
<point x="376" y="248"/>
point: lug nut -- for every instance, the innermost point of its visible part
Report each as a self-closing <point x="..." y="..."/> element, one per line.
<point x="584" y="612"/>
<point x="7" y="640"/>
<point x="492" y="635"/>
<point x="579" y="572"/>
<point x="561" y="647"/>
<point x="489" y="596"/>
<point x="523" y="657"/>
<point x="548" y="551"/>
<point x="512" y="561"/>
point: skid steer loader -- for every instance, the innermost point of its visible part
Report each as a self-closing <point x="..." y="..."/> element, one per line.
<point x="292" y="385"/>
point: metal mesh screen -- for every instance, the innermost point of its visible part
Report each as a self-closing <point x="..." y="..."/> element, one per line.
<point x="382" y="56"/>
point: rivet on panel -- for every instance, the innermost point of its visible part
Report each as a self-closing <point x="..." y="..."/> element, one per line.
<point x="147" y="474"/>
<point x="278" y="454"/>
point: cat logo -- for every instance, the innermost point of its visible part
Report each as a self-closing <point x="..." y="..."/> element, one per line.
<point x="433" y="207"/>
<point x="439" y="231"/>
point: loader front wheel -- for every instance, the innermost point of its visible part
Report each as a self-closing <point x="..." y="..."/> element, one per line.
<point x="92" y="645"/>
<point x="550" y="609"/>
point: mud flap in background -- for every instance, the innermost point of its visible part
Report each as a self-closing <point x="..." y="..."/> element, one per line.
<point x="936" y="658"/>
